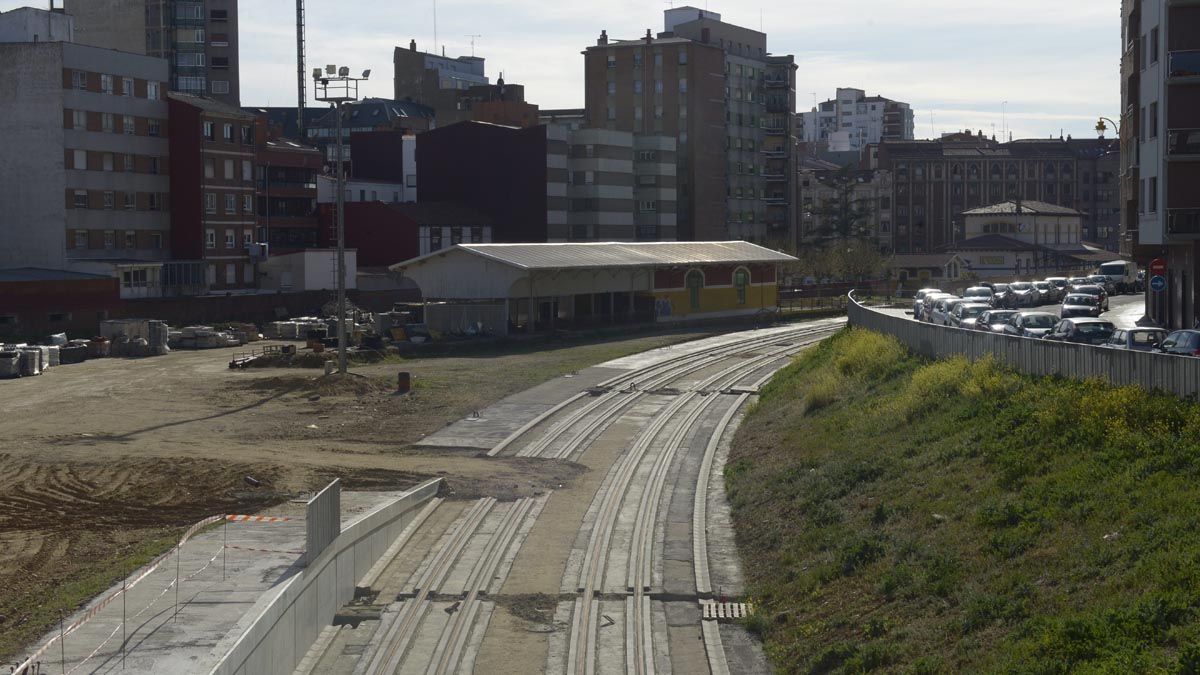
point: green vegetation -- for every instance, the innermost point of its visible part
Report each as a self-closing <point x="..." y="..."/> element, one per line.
<point x="898" y="515"/>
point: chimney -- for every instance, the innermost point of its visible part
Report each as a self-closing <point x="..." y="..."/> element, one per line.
<point x="603" y="38"/>
<point x="412" y="45"/>
<point x="649" y="38"/>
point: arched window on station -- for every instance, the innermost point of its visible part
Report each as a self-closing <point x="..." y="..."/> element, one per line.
<point x="741" y="281"/>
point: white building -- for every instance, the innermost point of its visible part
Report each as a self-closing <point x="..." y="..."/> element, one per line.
<point x="854" y="120"/>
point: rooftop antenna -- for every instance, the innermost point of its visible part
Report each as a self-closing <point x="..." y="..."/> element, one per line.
<point x="473" y="44"/>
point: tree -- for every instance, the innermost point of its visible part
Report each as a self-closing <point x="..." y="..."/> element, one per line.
<point x="845" y="215"/>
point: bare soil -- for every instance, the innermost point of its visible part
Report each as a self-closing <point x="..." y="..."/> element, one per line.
<point x="102" y="463"/>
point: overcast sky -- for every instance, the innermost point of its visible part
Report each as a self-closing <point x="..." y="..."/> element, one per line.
<point x="956" y="61"/>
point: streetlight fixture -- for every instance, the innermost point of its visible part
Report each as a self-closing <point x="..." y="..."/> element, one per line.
<point x="337" y="90"/>
<point x="1101" y="128"/>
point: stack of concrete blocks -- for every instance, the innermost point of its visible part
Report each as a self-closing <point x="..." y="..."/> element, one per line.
<point x="10" y="364"/>
<point x="205" y="337"/>
<point x="136" y="337"/>
<point x="31" y="361"/>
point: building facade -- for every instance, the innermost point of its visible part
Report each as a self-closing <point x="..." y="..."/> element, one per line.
<point x="853" y="120"/>
<point x="90" y="192"/>
<point x="286" y="180"/>
<point x="818" y="186"/>
<point x="213" y="210"/>
<point x="198" y="39"/>
<point x="1160" y="132"/>
<point x="934" y="182"/>
<point x="459" y="90"/>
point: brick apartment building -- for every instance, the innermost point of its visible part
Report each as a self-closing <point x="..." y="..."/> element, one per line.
<point x="286" y="181"/>
<point x="934" y="182"/>
<point x="198" y="39"/>
<point x="89" y="126"/>
<point x="213" y="187"/>
<point x="1160" y="142"/>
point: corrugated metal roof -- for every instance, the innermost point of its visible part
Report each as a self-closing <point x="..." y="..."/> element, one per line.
<point x="612" y="254"/>
<point x="1034" y="207"/>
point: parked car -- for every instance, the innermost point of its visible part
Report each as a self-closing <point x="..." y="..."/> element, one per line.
<point x="1047" y="293"/>
<point x="1082" y="331"/>
<point x="1076" y="282"/>
<point x="919" y="300"/>
<point x="1123" y="274"/>
<point x="1103" y="282"/>
<point x="1003" y="296"/>
<point x="1080" y="304"/>
<point x="1030" y="324"/>
<point x="940" y="316"/>
<point x="1060" y="283"/>
<point x="993" y="320"/>
<point x="980" y="294"/>
<point x="1024" y="293"/>
<point x="1137" y="339"/>
<point x="965" y="313"/>
<point x="1094" y="290"/>
<point x="1182" y="343"/>
<point x="930" y="301"/>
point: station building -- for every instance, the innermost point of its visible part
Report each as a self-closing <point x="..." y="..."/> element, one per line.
<point x="503" y="288"/>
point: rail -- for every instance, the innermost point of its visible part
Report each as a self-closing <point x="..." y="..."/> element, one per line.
<point x="1178" y="375"/>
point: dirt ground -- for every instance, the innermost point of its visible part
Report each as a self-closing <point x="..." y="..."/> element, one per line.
<point x="101" y="463"/>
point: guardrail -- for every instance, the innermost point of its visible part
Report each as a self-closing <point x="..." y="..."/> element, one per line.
<point x="1178" y="375"/>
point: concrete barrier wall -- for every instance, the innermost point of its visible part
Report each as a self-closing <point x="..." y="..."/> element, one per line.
<point x="283" y="630"/>
<point x="1178" y="375"/>
<point x="323" y="522"/>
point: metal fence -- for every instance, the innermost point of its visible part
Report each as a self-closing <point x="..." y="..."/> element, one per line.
<point x="1178" y="375"/>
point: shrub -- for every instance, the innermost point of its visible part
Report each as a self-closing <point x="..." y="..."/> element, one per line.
<point x="869" y="356"/>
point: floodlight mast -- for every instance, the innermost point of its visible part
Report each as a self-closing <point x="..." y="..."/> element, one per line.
<point x="337" y="90"/>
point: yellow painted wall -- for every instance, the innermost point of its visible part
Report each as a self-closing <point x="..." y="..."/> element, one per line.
<point x="715" y="300"/>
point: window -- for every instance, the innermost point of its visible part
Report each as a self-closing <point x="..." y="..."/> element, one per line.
<point x="410" y="180"/>
<point x="107" y="123"/>
<point x="210" y="131"/>
<point x="612" y="60"/>
<point x="220" y="86"/>
<point x="79" y="80"/>
<point x="683" y="85"/>
<point x="155" y="201"/>
<point x="658" y="86"/>
<point x="106" y="84"/>
<point x="637" y="86"/>
<point x="210" y="238"/>
<point x="228" y="133"/>
<point x="230" y="203"/>
<point x="219" y="40"/>
<point x="108" y="161"/>
<point x="110" y="239"/>
<point x="1152" y="121"/>
<point x="229" y="239"/>
<point x="127" y="124"/>
<point x="80" y="157"/>
<point x="612" y="87"/>
<point x="248" y="273"/>
<point x="247" y="135"/>
<point x="683" y="57"/>
<point x="152" y="91"/>
<point x="247" y="239"/>
<point x="694" y="282"/>
<point x="612" y="113"/>
<point x="220" y="15"/>
<point x="81" y="199"/>
<point x="1153" y="46"/>
<point x="79" y="120"/>
<point x="648" y="206"/>
<point x="741" y="280"/>
<point x="190" y="59"/>
<point x="1152" y="195"/>
<point x="230" y="274"/>
<point x="658" y="59"/>
<point x="229" y="175"/>
<point x="210" y="202"/>
<point x="156" y="240"/>
<point x="130" y="239"/>
<point x="130" y="200"/>
<point x="127" y="86"/>
<point x="211" y="275"/>
<point x="210" y="168"/>
<point x="81" y="239"/>
<point x="637" y="112"/>
<point x="247" y="203"/>
<point x="658" y="112"/>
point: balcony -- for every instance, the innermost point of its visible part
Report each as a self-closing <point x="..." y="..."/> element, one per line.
<point x="285" y="185"/>
<point x="774" y="177"/>
<point x="1183" y="223"/>
<point x="775" y="131"/>
<point x="1183" y="144"/>
<point x="775" y="153"/>
<point x="776" y="83"/>
<point x="1184" y="65"/>
<point x="777" y="199"/>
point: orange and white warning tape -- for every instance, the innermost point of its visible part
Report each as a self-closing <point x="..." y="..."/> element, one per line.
<point x="262" y="550"/>
<point x="256" y="519"/>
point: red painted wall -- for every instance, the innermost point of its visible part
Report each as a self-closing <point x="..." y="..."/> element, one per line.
<point x="87" y="301"/>
<point x="382" y="235"/>
<point x="187" y="171"/>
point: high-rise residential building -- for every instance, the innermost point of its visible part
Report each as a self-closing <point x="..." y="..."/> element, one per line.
<point x="198" y="38"/>
<point x="854" y="120"/>
<point x="89" y="126"/>
<point x="935" y="182"/>
<point x="1160" y="140"/>
<point x="728" y="102"/>
<point x="459" y="90"/>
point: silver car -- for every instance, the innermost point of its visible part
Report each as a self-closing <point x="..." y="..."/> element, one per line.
<point x="1136" y="339"/>
<point x="940" y="316"/>
<point x="965" y="313"/>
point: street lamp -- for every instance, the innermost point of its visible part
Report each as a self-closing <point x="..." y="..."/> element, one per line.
<point x="1101" y="128"/>
<point x="335" y="87"/>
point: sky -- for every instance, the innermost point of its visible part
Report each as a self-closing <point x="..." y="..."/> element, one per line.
<point x="1036" y="67"/>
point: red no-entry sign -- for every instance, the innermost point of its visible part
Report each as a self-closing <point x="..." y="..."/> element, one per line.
<point x="1158" y="267"/>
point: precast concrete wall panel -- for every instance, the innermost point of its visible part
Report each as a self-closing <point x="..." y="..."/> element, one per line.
<point x="1178" y="375"/>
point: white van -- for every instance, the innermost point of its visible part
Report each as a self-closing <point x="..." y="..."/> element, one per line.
<point x="1122" y="274"/>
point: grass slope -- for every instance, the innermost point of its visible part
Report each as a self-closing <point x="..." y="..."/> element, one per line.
<point x="898" y="515"/>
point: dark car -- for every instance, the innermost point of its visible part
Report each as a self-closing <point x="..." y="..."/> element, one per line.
<point x="1083" y="331"/>
<point x="1137" y="339"/>
<point x="1002" y="296"/>
<point x="1182" y="343"/>
<point x="1047" y="292"/>
<point x="1025" y="295"/>
<point x="1103" y="282"/>
<point x="1080" y="304"/>
<point x="1030" y="324"/>
<point x="992" y="321"/>
<point x="1097" y="291"/>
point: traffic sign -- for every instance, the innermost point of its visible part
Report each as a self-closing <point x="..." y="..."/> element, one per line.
<point x="1158" y="284"/>
<point x="1158" y="267"/>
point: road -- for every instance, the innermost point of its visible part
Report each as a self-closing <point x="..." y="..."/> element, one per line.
<point x="1124" y="310"/>
<point x="630" y="568"/>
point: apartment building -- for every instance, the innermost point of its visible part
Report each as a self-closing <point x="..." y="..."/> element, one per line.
<point x="934" y="182"/>
<point x="728" y="102"/>
<point x="367" y="115"/>
<point x="213" y="210"/>
<point x="459" y="90"/>
<point x="286" y="175"/>
<point x="853" y="120"/>
<point x="198" y="38"/>
<point x="1160" y="128"/>
<point x="90" y="192"/>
